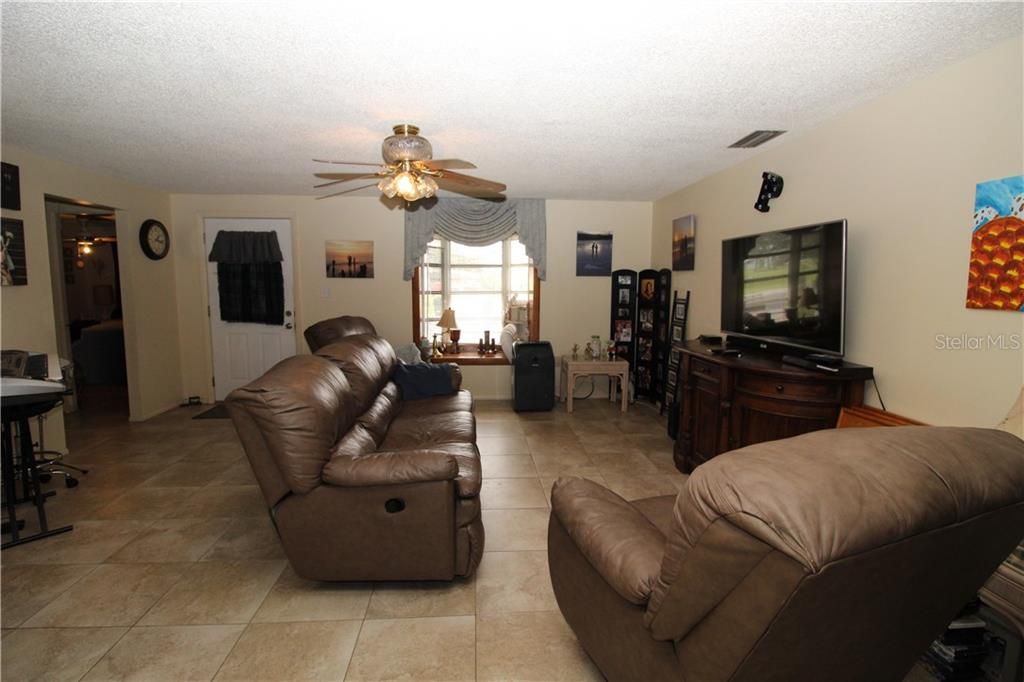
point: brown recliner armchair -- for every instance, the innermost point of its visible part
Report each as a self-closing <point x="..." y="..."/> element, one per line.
<point x="326" y="332"/>
<point x="361" y="484"/>
<point x="837" y="555"/>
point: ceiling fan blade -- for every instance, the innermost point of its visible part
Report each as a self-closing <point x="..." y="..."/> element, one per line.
<point x="453" y="181"/>
<point x="440" y="164"/>
<point x="348" y="163"/>
<point x="346" y="191"/>
<point x="343" y="176"/>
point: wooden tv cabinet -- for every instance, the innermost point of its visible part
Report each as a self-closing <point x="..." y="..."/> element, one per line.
<point x="729" y="402"/>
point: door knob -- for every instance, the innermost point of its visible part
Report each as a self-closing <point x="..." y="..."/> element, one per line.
<point x="288" y="325"/>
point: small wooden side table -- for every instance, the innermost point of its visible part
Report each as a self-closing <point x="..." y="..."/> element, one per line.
<point x="613" y="369"/>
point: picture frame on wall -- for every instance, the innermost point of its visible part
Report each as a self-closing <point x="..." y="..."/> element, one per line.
<point x="677" y="334"/>
<point x="593" y="254"/>
<point x="679" y="314"/>
<point x="10" y="186"/>
<point x="13" y="266"/>
<point x="349" y="259"/>
<point x="624" y="297"/>
<point x="684" y="242"/>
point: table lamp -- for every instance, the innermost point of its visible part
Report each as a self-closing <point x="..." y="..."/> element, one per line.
<point x="451" y="332"/>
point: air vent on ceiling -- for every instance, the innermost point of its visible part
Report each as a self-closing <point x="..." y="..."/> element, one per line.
<point x="755" y="139"/>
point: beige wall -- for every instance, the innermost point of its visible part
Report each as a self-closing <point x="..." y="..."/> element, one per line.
<point x="151" y="332"/>
<point x="902" y="170"/>
<point x="571" y="308"/>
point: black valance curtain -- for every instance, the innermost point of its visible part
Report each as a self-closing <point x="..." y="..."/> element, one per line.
<point x="250" y="282"/>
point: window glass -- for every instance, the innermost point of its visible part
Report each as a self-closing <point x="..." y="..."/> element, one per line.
<point x="465" y="278"/>
<point x="476" y="255"/>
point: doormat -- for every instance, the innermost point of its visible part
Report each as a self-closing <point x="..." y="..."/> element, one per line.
<point x="218" y="411"/>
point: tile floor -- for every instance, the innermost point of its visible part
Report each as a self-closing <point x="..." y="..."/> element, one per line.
<point x="173" y="571"/>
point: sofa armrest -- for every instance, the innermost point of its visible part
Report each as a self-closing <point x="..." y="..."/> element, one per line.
<point x="456" y="377"/>
<point x="383" y="468"/>
<point x="618" y="541"/>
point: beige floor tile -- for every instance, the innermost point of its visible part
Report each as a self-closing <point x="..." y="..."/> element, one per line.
<point x="291" y="651"/>
<point x="626" y="463"/>
<point x="120" y="475"/>
<point x="223" y="501"/>
<point x="90" y="542"/>
<point x="535" y="646"/>
<point x="499" y="429"/>
<point x="216" y="451"/>
<point x="145" y="503"/>
<point x="246" y="539"/>
<point x="635" y="487"/>
<point x="295" y="599"/>
<point x="508" y="466"/>
<point x="187" y="474"/>
<point x="55" y="655"/>
<point x="554" y="444"/>
<point x="169" y="540"/>
<point x="511" y="493"/>
<point x="569" y="462"/>
<point x="113" y="594"/>
<point x="510" y="530"/>
<point x="70" y="506"/>
<point x="167" y="654"/>
<point x="422" y="599"/>
<point x="509" y="445"/>
<point x="514" y="581"/>
<point x="27" y="589"/>
<point x="239" y="473"/>
<point x="592" y="429"/>
<point x="216" y="593"/>
<point x="415" y="649"/>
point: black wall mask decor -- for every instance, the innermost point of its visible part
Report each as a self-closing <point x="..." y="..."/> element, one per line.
<point x="771" y="188"/>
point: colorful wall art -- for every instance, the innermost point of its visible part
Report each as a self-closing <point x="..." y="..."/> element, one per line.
<point x="684" y="244"/>
<point x="995" y="277"/>
<point x="349" y="259"/>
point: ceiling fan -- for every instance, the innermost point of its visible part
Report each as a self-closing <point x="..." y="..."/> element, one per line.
<point x="410" y="171"/>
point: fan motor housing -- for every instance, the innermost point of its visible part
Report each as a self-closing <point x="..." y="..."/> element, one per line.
<point x="406" y="145"/>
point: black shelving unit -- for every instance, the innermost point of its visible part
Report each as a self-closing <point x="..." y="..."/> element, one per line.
<point x="680" y="311"/>
<point x="651" y="333"/>
<point x="623" y="317"/>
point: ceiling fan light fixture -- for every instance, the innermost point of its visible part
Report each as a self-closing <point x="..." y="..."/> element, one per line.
<point x="406" y="145"/>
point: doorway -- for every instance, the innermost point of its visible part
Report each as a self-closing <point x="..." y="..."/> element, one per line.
<point x="243" y="351"/>
<point x="87" y="307"/>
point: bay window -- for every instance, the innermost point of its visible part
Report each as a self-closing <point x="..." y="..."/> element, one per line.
<point x="486" y="286"/>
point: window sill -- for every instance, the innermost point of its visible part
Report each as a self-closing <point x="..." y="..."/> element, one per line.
<point x="471" y="358"/>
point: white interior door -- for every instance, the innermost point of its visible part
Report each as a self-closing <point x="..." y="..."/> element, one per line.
<point x="242" y="351"/>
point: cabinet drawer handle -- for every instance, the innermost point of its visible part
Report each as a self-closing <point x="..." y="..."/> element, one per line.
<point x="779" y="388"/>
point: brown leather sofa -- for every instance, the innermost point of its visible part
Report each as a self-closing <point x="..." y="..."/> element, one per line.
<point x="837" y="555"/>
<point x="326" y="332"/>
<point x="361" y="484"/>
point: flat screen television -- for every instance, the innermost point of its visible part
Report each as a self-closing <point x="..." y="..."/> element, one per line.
<point x="787" y="287"/>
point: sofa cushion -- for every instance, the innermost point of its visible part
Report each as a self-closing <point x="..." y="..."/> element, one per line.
<point x="367" y="362"/>
<point x="299" y="405"/>
<point x="387" y="468"/>
<point x="456" y="402"/>
<point x="423" y="380"/>
<point x="430" y="430"/>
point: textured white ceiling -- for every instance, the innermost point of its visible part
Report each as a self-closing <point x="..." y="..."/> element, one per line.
<point x="558" y="100"/>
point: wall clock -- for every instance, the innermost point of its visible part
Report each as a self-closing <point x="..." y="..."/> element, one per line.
<point x="154" y="239"/>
